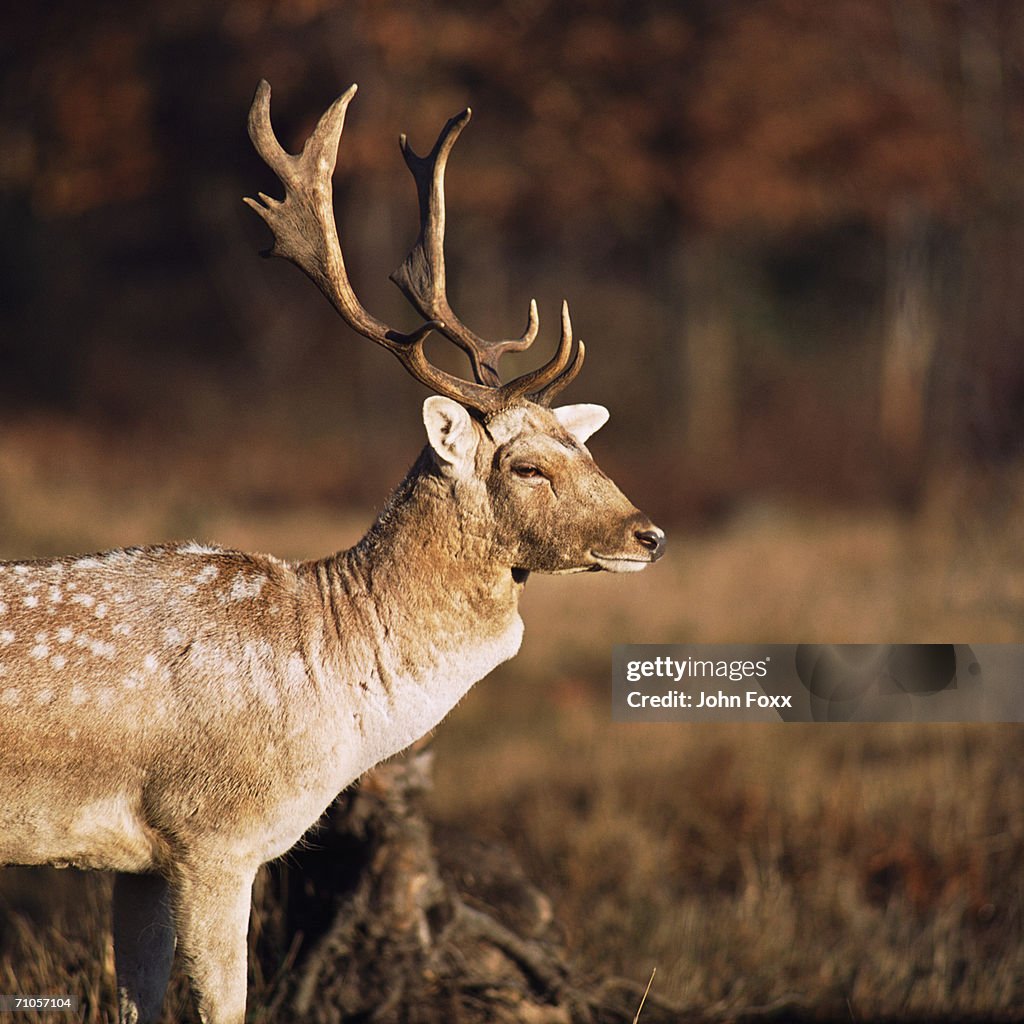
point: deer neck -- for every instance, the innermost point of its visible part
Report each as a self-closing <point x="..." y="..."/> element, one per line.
<point x="419" y="610"/>
<point x="436" y="535"/>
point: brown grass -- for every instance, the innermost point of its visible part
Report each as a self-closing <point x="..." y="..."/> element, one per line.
<point x="861" y="871"/>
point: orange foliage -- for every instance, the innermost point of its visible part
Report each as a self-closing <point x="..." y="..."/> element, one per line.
<point x="775" y="113"/>
<point x="814" y="113"/>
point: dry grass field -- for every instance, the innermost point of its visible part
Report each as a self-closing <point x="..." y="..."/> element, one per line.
<point x="843" y="872"/>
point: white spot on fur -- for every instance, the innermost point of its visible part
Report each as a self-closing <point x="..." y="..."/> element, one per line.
<point x="242" y="589"/>
<point x="6" y="637"/>
<point x="30" y="601"/>
<point x="84" y="599"/>
<point x="102" y="649"/>
<point x="150" y="663"/>
<point x="78" y="695"/>
<point x="10" y="696"/>
<point x="101" y="611"/>
<point x="87" y="563"/>
<point x="259" y="667"/>
<point x="44" y="696"/>
<point x="295" y="672"/>
<point x="21" y="570"/>
<point x="56" y="595"/>
<point x="58" y="661"/>
<point x="39" y="652"/>
<point x="210" y="656"/>
<point x="3" y="607"/>
<point x="65" y="635"/>
<point x="207" y="573"/>
<point x="122" y="629"/>
<point x="173" y="637"/>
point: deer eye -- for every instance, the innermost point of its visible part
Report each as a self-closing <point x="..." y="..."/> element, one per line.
<point x="527" y="471"/>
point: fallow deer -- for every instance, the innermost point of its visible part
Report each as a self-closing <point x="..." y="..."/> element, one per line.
<point x="182" y="714"/>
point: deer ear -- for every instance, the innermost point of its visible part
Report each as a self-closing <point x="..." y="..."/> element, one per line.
<point x="451" y="432"/>
<point x="581" y="420"/>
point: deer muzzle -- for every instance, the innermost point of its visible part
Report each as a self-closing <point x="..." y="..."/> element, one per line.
<point x="644" y="543"/>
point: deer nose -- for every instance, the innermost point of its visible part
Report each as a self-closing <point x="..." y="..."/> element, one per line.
<point x="653" y="539"/>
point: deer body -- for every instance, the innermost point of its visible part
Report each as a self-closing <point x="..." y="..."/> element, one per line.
<point x="182" y="714"/>
<point x="187" y="712"/>
<point x="246" y="695"/>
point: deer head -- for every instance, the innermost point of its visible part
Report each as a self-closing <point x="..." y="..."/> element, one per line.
<point x="518" y="463"/>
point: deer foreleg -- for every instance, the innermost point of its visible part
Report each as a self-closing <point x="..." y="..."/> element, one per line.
<point x="212" y="905"/>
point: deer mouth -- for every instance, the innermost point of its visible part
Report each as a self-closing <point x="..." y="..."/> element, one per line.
<point x="617" y="563"/>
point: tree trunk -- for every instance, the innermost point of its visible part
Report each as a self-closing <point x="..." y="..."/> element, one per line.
<point x="709" y="387"/>
<point x="908" y="347"/>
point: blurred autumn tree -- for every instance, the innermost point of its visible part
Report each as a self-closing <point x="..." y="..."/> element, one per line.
<point x="792" y="232"/>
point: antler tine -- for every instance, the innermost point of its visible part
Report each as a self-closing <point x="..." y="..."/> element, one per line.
<point x="421" y="277"/>
<point x="543" y="384"/>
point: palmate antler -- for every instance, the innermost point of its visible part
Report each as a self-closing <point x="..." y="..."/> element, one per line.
<point x="305" y="232"/>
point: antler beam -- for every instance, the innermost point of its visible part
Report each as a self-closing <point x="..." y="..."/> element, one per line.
<point x="422" y="277"/>
<point x="305" y="233"/>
